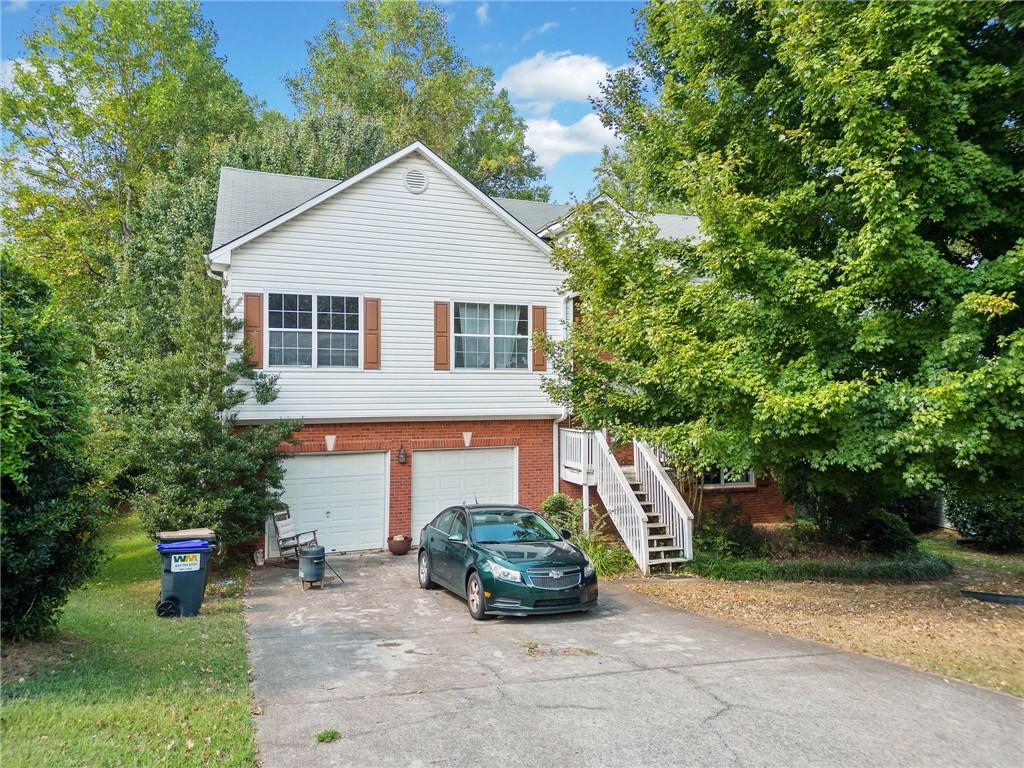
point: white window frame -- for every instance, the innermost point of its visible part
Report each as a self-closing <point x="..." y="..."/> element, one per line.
<point x="751" y="483"/>
<point x="316" y="363"/>
<point x="490" y="305"/>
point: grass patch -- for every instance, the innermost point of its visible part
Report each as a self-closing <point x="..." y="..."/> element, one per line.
<point x="119" y="686"/>
<point x="943" y="544"/>
<point x="326" y="737"/>
<point x="609" y="559"/>
<point x="914" y="566"/>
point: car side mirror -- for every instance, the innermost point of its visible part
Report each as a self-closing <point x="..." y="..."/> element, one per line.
<point x="566" y="533"/>
<point x="457" y="537"/>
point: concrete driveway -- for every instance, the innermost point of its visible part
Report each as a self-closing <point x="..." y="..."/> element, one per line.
<point x="407" y="678"/>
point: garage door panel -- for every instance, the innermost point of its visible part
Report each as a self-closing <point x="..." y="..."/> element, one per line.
<point x="441" y="479"/>
<point x="343" y="497"/>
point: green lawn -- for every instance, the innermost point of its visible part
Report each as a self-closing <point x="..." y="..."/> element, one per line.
<point x="119" y="686"/>
<point x="944" y="545"/>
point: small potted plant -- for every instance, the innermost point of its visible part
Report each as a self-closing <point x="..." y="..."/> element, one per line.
<point x="399" y="544"/>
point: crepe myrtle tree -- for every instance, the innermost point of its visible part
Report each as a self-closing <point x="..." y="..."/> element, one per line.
<point x="851" y="320"/>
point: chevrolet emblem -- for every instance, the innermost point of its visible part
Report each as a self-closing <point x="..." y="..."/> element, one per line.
<point x="554" y="574"/>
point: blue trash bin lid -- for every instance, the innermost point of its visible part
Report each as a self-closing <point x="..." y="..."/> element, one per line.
<point x="178" y="546"/>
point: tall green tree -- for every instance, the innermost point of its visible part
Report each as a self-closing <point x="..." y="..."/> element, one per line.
<point x="50" y="510"/>
<point x="852" y="321"/>
<point x="101" y="98"/>
<point x="395" y="61"/>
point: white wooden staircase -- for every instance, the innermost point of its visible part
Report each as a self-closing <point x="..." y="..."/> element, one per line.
<point x="663" y="551"/>
<point x="642" y="501"/>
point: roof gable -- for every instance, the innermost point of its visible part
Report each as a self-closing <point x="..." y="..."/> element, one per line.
<point x="220" y="256"/>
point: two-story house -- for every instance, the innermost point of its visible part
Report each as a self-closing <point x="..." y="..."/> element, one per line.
<point x="398" y="310"/>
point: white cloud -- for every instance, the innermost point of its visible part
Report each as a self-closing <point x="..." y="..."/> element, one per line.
<point x="483" y="13"/>
<point x="13" y="6"/>
<point x="552" y="77"/>
<point x="7" y="72"/>
<point x="552" y="140"/>
<point x="544" y="28"/>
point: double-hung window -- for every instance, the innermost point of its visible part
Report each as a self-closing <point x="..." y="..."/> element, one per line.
<point x="491" y="335"/>
<point x="717" y="478"/>
<point x="290" y="320"/>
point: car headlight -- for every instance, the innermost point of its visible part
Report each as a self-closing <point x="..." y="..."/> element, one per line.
<point x="501" y="573"/>
<point x="588" y="569"/>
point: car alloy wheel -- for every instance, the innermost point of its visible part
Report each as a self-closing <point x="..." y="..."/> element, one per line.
<point x="475" y="597"/>
<point x="424" y="570"/>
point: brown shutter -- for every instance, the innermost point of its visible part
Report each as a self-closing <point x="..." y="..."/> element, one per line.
<point x="441" y="341"/>
<point x="253" y="334"/>
<point x="371" y="333"/>
<point x="540" y="326"/>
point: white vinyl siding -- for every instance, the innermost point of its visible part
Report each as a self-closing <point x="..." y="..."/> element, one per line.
<point x="410" y="251"/>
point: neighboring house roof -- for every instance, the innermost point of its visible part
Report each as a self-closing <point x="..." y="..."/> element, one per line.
<point x="537" y="216"/>
<point x="248" y="201"/>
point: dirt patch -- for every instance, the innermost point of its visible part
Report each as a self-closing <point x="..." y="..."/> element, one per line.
<point x="928" y="626"/>
<point x="23" y="659"/>
<point x="537" y="649"/>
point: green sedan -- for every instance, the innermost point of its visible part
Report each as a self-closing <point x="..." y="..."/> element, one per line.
<point x="505" y="560"/>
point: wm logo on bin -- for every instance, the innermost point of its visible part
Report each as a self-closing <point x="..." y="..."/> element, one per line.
<point x="185" y="562"/>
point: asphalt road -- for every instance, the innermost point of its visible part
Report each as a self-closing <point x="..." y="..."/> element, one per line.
<point x="408" y="678"/>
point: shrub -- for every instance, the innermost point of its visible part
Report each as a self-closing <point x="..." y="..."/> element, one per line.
<point x="922" y="512"/>
<point x="564" y="512"/>
<point x="50" y="506"/>
<point x="909" y="567"/>
<point x="885" y="533"/>
<point x="997" y="519"/>
<point x="727" y="530"/>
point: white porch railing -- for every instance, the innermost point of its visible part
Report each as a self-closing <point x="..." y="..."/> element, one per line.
<point x="620" y="501"/>
<point x="668" y="502"/>
<point x="576" y="452"/>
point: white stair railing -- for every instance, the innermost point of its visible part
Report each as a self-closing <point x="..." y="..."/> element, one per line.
<point x="665" y="496"/>
<point x="575" y="455"/>
<point x="620" y="501"/>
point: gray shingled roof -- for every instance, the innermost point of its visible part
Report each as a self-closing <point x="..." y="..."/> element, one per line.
<point x="248" y="199"/>
<point x="535" y="216"/>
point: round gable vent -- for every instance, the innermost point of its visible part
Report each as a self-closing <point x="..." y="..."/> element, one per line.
<point x="416" y="181"/>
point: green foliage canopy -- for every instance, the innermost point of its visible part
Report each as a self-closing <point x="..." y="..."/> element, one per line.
<point x="396" y="62"/>
<point x="101" y="98"/>
<point x="852" y="321"/>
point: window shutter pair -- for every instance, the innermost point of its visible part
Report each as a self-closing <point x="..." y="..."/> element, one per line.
<point x="253" y="330"/>
<point x="442" y="339"/>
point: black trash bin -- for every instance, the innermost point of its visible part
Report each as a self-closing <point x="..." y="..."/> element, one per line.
<point x="183" y="581"/>
<point x="311" y="566"/>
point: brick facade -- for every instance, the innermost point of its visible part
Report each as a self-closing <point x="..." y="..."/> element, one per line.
<point x="763" y="503"/>
<point x="532" y="436"/>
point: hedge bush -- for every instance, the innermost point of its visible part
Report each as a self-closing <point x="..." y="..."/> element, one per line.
<point x="915" y="566"/>
<point x="997" y="519"/>
<point x="51" y="507"/>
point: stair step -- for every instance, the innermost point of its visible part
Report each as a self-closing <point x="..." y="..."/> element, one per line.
<point x="664" y="549"/>
<point x="655" y="536"/>
<point x="668" y="561"/>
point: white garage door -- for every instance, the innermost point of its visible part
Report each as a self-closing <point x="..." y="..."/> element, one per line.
<point x="342" y="497"/>
<point x="443" y="478"/>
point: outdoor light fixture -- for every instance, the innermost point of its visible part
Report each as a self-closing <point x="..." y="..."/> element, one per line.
<point x="402" y="455"/>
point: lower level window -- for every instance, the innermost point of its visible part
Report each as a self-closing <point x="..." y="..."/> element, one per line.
<point x="290" y="323"/>
<point x="716" y="476"/>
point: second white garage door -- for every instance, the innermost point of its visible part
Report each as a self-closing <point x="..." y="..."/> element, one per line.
<point x="441" y="479"/>
<point x="342" y="497"/>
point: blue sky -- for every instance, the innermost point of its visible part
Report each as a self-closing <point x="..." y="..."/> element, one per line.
<point x="550" y="55"/>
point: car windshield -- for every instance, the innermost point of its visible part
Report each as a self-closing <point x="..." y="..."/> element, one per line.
<point x="499" y="526"/>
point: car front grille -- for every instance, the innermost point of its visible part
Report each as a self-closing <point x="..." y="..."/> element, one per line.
<point x="554" y="578"/>
<point x="560" y="603"/>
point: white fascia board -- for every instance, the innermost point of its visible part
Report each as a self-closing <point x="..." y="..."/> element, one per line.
<point x="222" y="256"/>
